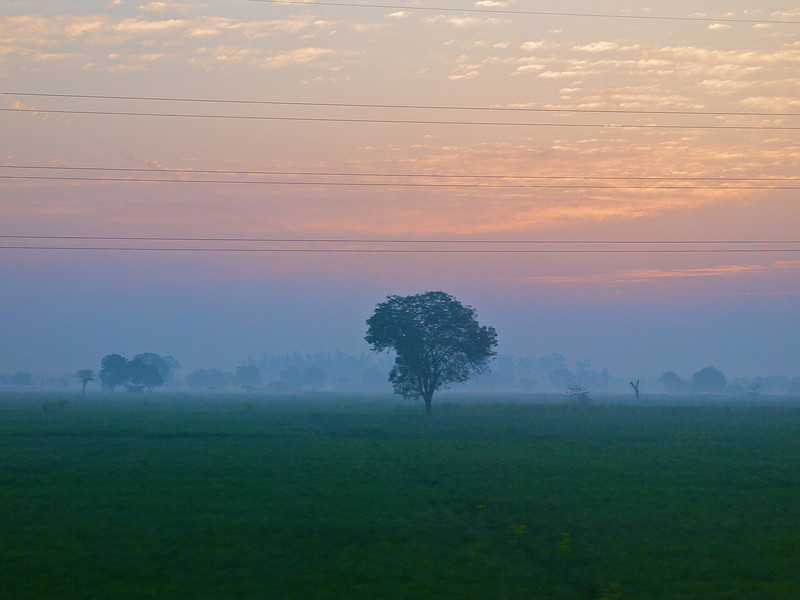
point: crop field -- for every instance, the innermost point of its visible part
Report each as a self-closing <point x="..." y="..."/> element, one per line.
<point x="160" y="496"/>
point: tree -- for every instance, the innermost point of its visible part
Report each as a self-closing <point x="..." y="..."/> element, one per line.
<point x="85" y="376"/>
<point x="163" y="364"/>
<point x="113" y="371"/>
<point x="635" y="387"/>
<point x="143" y="375"/>
<point x="436" y="339"/>
<point x="208" y="379"/>
<point x="21" y="379"/>
<point x="709" y="380"/>
<point x="672" y="382"/>
<point x="577" y="394"/>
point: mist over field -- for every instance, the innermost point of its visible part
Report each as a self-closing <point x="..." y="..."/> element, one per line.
<point x="70" y="320"/>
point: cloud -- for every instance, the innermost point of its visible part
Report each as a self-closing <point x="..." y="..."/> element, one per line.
<point x="153" y="6"/>
<point x="465" y="71"/>
<point x="529" y="46"/>
<point x="718" y="26"/>
<point x="649" y="275"/>
<point x="521" y="70"/>
<point x="721" y="271"/>
<point x="300" y="56"/>
<point x="559" y="74"/>
<point x="597" y="47"/>
<point x="224" y="55"/>
<point x="453" y="21"/>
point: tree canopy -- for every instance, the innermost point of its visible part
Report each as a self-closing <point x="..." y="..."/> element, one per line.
<point x="145" y="371"/>
<point x="709" y="380"/>
<point x="437" y="341"/>
<point x="113" y="371"/>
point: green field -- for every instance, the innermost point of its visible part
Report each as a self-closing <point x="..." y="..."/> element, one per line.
<point x="343" y="497"/>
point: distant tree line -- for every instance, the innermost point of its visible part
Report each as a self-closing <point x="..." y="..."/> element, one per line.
<point x="247" y="377"/>
<point x="294" y="372"/>
<point x="145" y="371"/>
<point x="18" y="379"/>
<point x="550" y="372"/>
<point x="710" y="380"/>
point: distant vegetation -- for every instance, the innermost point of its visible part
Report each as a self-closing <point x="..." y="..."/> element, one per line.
<point x="145" y="372"/>
<point x="368" y="373"/>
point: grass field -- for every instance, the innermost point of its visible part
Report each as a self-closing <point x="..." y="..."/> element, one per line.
<point x="344" y="497"/>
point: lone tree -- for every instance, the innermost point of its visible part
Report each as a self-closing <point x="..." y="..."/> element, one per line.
<point x="635" y="387"/>
<point x="437" y="341"/>
<point x="85" y="376"/>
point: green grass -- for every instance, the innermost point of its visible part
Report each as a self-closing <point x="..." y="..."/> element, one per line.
<point x="232" y="497"/>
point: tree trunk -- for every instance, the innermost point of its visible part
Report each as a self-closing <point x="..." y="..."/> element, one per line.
<point x="428" y="398"/>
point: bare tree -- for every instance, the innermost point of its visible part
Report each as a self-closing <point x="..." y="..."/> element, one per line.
<point x="635" y="387"/>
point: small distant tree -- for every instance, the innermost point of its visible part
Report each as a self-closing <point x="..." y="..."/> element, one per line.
<point x="84" y="376"/>
<point x="709" y="380"/>
<point x="635" y="387"/>
<point x="672" y="382"/>
<point x="208" y="379"/>
<point x="437" y="341"/>
<point x="577" y="394"/>
<point x="21" y="379"/>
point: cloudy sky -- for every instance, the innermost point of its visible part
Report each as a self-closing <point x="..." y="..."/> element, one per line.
<point x="614" y="181"/>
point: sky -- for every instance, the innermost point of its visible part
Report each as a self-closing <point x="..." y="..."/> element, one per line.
<point x="614" y="181"/>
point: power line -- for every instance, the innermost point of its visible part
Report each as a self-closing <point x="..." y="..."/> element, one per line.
<point x="389" y="246"/>
<point x="394" y="121"/>
<point x="387" y="241"/>
<point x="404" y="106"/>
<point x="502" y="11"/>
<point x="403" y="250"/>
<point x="372" y="174"/>
<point x="397" y="184"/>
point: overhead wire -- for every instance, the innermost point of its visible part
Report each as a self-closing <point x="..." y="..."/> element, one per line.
<point x="389" y="241"/>
<point x="400" y="184"/>
<point x="365" y="120"/>
<point x="507" y="11"/>
<point x="408" y="250"/>
<point x="359" y="105"/>
<point x="169" y="170"/>
<point x="400" y="245"/>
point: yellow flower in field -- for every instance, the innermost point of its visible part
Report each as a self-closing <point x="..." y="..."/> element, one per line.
<point x="520" y="529"/>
